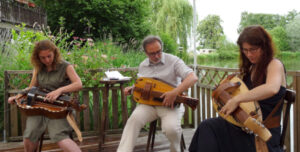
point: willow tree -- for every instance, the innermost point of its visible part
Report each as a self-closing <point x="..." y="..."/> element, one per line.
<point x="293" y="33"/>
<point x="210" y="32"/>
<point x="173" y="17"/>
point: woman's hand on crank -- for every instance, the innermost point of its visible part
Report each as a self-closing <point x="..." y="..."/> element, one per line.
<point x="53" y="95"/>
<point x="229" y="107"/>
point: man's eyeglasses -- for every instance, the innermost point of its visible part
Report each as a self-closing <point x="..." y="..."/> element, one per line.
<point x="251" y="50"/>
<point x="154" y="53"/>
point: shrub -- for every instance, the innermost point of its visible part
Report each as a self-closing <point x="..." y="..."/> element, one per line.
<point x="170" y="45"/>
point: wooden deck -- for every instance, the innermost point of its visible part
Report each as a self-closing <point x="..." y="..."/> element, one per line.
<point x="90" y="144"/>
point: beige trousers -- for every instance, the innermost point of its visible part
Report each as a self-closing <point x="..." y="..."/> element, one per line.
<point x="170" y="124"/>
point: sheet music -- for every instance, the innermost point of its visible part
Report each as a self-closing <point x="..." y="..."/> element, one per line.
<point x="115" y="75"/>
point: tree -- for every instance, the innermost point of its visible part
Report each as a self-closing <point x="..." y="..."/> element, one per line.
<point x="123" y="20"/>
<point x="227" y="49"/>
<point x="293" y="33"/>
<point x="268" y="21"/>
<point x="172" y="17"/>
<point x="280" y="38"/>
<point x="210" y="32"/>
<point x="275" y="24"/>
<point x="291" y="15"/>
<point x="170" y="45"/>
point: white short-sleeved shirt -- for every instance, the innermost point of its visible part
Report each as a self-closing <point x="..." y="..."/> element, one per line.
<point x="170" y="69"/>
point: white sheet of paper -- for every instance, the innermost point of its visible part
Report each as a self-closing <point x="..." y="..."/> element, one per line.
<point x="115" y="75"/>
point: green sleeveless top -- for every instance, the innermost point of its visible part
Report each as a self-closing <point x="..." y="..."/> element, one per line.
<point x="54" y="79"/>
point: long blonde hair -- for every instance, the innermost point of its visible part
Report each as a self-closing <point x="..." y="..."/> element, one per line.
<point x="41" y="46"/>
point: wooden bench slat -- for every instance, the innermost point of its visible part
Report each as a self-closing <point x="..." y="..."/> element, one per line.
<point x="86" y="113"/>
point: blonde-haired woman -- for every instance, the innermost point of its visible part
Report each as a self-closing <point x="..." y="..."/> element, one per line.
<point x="50" y="72"/>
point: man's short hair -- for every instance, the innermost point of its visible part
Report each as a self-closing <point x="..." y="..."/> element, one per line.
<point x="150" y="39"/>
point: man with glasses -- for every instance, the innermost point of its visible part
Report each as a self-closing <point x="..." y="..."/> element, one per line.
<point x="172" y="70"/>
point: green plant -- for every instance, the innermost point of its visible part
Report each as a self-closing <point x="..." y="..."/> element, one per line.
<point x="169" y="44"/>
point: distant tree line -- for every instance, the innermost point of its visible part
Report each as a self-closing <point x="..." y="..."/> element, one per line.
<point x="284" y="29"/>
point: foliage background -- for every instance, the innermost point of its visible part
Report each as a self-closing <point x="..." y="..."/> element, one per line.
<point x="121" y="20"/>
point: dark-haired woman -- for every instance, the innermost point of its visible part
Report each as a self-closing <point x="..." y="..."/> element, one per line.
<point x="264" y="75"/>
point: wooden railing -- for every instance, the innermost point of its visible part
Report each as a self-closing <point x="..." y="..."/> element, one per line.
<point x="16" y="13"/>
<point x="89" y="119"/>
<point x="5" y="35"/>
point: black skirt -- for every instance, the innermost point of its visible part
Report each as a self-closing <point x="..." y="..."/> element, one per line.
<point x="218" y="135"/>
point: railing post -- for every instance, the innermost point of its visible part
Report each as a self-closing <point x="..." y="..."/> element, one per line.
<point x="297" y="114"/>
<point x="6" y="111"/>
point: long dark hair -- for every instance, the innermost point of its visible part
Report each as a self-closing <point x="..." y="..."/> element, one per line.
<point x="256" y="35"/>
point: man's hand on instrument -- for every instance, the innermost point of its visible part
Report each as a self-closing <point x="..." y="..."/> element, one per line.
<point x="128" y="90"/>
<point x="229" y="107"/>
<point x="53" y="95"/>
<point x="169" y="98"/>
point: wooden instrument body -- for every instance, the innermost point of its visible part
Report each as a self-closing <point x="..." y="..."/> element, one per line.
<point x="148" y="91"/>
<point x="34" y="103"/>
<point x="51" y="111"/>
<point x="248" y="115"/>
<point x="248" y="107"/>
